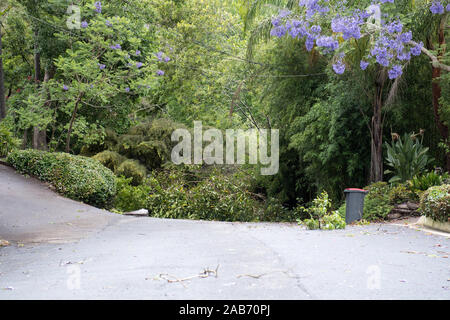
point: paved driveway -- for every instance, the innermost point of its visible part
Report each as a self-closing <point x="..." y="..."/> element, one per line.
<point x="61" y="249"/>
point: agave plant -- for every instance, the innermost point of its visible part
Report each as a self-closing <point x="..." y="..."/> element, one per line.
<point x="407" y="157"/>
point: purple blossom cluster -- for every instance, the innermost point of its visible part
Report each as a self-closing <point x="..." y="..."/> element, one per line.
<point x="395" y="72"/>
<point x="391" y="48"/>
<point x="84" y="24"/>
<point x="327" y="42"/>
<point x="159" y="56"/>
<point x="116" y="46"/>
<point x="314" y="6"/>
<point x="98" y="7"/>
<point x="363" y="64"/>
<point x="339" y="67"/>
<point x="437" y="8"/>
<point x="350" y="27"/>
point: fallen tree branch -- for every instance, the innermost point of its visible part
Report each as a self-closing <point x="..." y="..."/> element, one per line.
<point x="205" y="274"/>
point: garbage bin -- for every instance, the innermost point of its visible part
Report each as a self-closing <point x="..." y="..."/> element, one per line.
<point x="354" y="204"/>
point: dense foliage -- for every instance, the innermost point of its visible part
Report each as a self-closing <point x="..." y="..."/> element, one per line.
<point x="337" y="82"/>
<point x="76" y="177"/>
<point x="8" y="142"/>
<point x="213" y="195"/>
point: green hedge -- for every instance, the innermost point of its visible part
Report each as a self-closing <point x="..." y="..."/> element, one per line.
<point x="79" y="178"/>
<point x="435" y="203"/>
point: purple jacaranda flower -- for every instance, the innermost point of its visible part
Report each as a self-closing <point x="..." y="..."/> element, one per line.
<point x="278" y="31"/>
<point x="405" y="37"/>
<point x="415" y="51"/>
<point x="139" y="64"/>
<point x="276" y="22"/>
<point x="395" y="72"/>
<point x="166" y="59"/>
<point x="309" y="43"/>
<point x="437" y="8"/>
<point x="84" y="24"/>
<point x="160" y="73"/>
<point x="98" y="7"/>
<point x="101" y="66"/>
<point x="127" y="89"/>
<point x="65" y="88"/>
<point x="447" y="7"/>
<point x="115" y="46"/>
<point x="159" y="55"/>
<point x="339" y="67"/>
<point x="327" y="42"/>
<point x="138" y="53"/>
<point x="363" y="65"/>
<point x="404" y="55"/>
<point x="108" y="23"/>
<point x="395" y="26"/>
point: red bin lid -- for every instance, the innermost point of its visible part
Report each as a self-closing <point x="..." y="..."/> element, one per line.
<point x="355" y="189"/>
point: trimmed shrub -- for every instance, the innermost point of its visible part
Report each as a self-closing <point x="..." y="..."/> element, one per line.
<point x="435" y="203"/>
<point x="110" y="159"/>
<point x="130" y="198"/>
<point x="79" y="178"/>
<point x="132" y="169"/>
<point x="376" y="203"/>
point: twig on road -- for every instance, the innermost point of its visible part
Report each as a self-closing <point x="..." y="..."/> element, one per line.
<point x="205" y="274"/>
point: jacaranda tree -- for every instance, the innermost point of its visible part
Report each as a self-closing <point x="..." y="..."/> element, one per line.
<point x="374" y="31"/>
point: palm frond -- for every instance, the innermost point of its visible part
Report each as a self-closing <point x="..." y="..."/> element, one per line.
<point x="257" y="6"/>
<point x="258" y="34"/>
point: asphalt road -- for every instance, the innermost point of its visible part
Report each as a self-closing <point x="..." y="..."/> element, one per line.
<point x="61" y="249"/>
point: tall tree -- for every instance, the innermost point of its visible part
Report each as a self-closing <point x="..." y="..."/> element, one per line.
<point x="2" y="76"/>
<point x="2" y="81"/>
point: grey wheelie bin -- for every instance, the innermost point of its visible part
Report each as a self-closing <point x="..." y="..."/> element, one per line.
<point x="354" y="204"/>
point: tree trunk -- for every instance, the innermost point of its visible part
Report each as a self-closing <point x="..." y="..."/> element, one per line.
<point x="376" y="156"/>
<point x="40" y="134"/>
<point x="443" y="129"/>
<point x="2" y="82"/>
<point x="37" y="59"/>
<point x="74" y="114"/>
<point x="25" y="139"/>
<point x="437" y="91"/>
